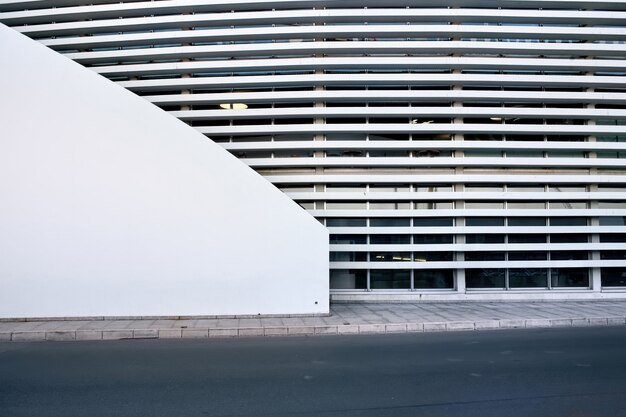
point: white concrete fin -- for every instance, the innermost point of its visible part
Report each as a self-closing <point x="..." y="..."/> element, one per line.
<point x="110" y="206"/>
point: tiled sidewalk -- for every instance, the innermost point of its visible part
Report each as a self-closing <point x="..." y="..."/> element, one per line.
<point x="344" y="319"/>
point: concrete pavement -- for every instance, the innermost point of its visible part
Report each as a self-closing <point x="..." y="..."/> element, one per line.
<point x="363" y="318"/>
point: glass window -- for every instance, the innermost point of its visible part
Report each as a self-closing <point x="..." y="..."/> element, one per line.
<point x="348" y="279"/>
<point x="375" y="205"/>
<point x="348" y="256"/>
<point x="390" y="256"/>
<point x="348" y="239"/>
<point x="567" y="204"/>
<point x="433" y="278"/>
<point x="484" y="238"/>
<point x="485" y="278"/>
<point x="348" y="222"/>
<point x="485" y="256"/>
<point x="569" y="277"/>
<point x="613" y="237"/>
<point x="569" y="255"/>
<point x="432" y="205"/>
<point x="432" y="239"/>
<point x="530" y="238"/>
<point x="339" y="205"/>
<point x="527" y="221"/>
<point x="484" y="204"/>
<point x="432" y="256"/>
<point x="390" y="278"/>
<point x="568" y="221"/>
<point x="432" y="221"/>
<point x="484" y="221"/>
<point x="390" y="222"/>
<point x="569" y="238"/>
<point x="613" y="277"/>
<point x="613" y="254"/>
<point x="528" y="256"/>
<point x="613" y="221"/>
<point x="525" y="205"/>
<point x="528" y="278"/>
<point x="390" y="239"/>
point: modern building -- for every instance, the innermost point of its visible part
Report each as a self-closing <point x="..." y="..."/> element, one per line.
<point x="454" y="149"/>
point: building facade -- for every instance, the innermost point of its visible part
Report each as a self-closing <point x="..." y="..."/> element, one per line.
<point x="454" y="149"/>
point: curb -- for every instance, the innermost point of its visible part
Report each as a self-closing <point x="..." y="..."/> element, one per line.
<point x="273" y="331"/>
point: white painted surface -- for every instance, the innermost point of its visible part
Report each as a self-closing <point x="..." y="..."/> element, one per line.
<point x="111" y="206"/>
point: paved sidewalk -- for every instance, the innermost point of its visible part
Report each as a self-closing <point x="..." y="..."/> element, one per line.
<point x="344" y="319"/>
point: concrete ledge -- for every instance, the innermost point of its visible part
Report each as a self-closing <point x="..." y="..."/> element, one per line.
<point x="117" y="334"/>
<point x="435" y="327"/>
<point x="61" y="336"/>
<point x="487" y="325"/>
<point x="253" y="331"/>
<point x="88" y="334"/>
<point x="414" y="327"/>
<point x="460" y="325"/>
<point x="276" y="331"/>
<point x="395" y="328"/>
<point x="223" y="333"/>
<point x="538" y="323"/>
<point x="512" y="324"/>
<point x="325" y="330"/>
<point x="28" y="336"/>
<point x="195" y="333"/>
<point x="372" y="328"/>
<point x="348" y="329"/>
<point x="301" y="330"/>
<point x="145" y="334"/>
<point x="170" y="333"/>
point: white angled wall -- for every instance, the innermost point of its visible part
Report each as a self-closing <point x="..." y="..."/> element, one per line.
<point x="112" y="207"/>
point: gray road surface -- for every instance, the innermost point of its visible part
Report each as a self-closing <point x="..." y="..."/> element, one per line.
<point x="574" y="372"/>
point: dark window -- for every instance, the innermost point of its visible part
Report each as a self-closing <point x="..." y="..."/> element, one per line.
<point x="613" y="254"/>
<point x="433" y="278"/>
<point x="613" y="277"/>
<point x="569" y="255"/>
<point x="432" y="239"/>
<point x="484" y="278"/>
<point x="613" y="221"/>
<point x="484" y="238"/>
<point x="484" y="256"/>
<point x="390" y="239"/>
<point x="348" y="256"/>
<point x="390" y="222"/>
<point x="569" y="238"/>
<point x="613" y="237"/>
<point x="432" y="256"/>
<point x="484" y="221"/>
<point x="390" y="256"/>
<point x="568" y="221"/>
<point x="348" y="279"/>
<point x="569" y="277"/>
<point x="390" y="278"/>
<point x="527" y="221"/>
<point x="432" y="221"/>
<point x="345" y="222"/>
<point x="528" y="278"/>
<point x="347" y="239"/>
<point x="527" y="238"/>
<point x="528" y="256"/>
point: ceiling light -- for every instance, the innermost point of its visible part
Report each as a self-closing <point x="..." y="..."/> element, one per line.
<point x="234" y="106"/>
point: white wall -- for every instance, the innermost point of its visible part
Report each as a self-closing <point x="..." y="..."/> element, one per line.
<point x="109" y="206"/>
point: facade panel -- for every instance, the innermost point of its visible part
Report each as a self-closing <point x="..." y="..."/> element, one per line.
<point x="451" y="148"/>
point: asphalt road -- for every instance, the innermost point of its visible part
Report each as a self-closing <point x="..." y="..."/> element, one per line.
<point x="578" y="372"/>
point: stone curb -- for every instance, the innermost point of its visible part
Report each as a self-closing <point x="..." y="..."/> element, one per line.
<point x="273" y="331"/>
